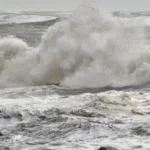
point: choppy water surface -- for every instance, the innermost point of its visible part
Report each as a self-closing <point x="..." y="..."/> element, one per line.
<point x="101" y="62"/>
<point x="54" y="118"/>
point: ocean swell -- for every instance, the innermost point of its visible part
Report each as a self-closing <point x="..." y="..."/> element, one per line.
<point x="20" y="18"/>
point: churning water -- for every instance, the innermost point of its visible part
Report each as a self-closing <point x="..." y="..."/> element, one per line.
<point x="101" y="62"/>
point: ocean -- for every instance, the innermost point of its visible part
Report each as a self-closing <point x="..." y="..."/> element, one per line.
<point x="75" y="80"/>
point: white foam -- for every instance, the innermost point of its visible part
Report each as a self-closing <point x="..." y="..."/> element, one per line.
<point x="91" y="49"/>
<point x="139" y="21"/>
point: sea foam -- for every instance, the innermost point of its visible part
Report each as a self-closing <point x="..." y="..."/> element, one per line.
<point x="89" y="49"/>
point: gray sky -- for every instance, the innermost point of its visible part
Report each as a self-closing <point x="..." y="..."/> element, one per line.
<point x="61" y="5"/>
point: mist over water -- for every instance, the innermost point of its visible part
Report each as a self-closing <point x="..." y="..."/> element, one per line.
<point x="89" y="49"/>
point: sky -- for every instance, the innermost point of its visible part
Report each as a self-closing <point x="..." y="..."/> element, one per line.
<point x="69" y="5"/>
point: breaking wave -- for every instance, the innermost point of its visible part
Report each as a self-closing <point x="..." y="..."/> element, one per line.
<point x="90" y="49"/>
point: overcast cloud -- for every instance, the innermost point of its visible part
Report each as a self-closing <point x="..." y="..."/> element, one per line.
<point x="62" y="5"/>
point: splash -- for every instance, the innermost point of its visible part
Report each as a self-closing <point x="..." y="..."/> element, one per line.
<point x="90" y="49"/>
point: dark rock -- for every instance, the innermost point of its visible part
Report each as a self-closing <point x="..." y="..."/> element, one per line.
<point x="102" y="148"/>
<point x="1" y="134"/>
<point x="107" y="148"/>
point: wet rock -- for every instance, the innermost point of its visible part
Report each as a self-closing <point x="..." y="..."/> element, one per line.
<point x="107" y="148"/>
<point x="1" y="134"/>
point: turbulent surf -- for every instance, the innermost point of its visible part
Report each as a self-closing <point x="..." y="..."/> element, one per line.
<point x="76" y="80"/>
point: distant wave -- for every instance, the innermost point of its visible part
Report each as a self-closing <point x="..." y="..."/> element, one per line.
<point x="139" y="21"/>
<point x="19" y="19"/>
<point x="126" y="14"/>
<point x="140" y="18"/>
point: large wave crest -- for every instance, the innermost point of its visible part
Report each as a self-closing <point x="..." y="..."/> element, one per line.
<point x="90" y="49"/>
